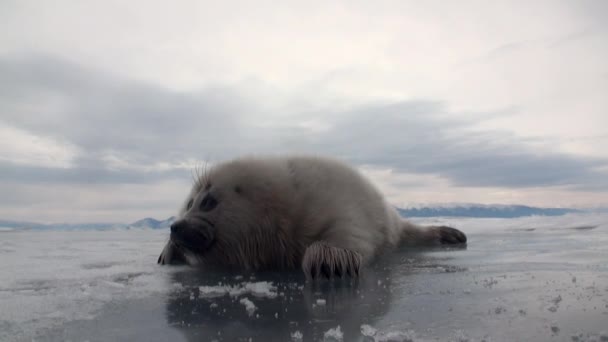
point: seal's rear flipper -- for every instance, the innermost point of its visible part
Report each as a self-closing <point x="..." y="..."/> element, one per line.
<point x="323" y="260"/>
<point x="426" y="236"/>
<point x="449" y="236"/>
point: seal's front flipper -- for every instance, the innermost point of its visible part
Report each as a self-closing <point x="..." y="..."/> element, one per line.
<point x="323" y="260"/>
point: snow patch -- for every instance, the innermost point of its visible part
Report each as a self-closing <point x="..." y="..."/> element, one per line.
<point x="367" y="330"/>
<point x="333" y="334"/>
<point x="260" y="289"/>
<point x="297" y="336"/>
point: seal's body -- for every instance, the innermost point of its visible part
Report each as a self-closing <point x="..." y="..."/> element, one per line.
<point x="290" y="212"/>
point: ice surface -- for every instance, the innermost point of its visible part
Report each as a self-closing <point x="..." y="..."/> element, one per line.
<point x="534" y="278"/>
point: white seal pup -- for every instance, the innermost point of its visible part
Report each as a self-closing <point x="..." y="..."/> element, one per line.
<point x="279" y="213"/>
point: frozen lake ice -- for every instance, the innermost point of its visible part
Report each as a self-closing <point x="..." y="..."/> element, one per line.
<point x="534" y="278"/>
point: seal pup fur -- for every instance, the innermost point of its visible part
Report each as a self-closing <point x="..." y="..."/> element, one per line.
<point x="283" y="213"/>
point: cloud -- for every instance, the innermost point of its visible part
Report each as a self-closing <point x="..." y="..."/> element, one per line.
<point x="415" y="138"/>
<point x="24" y="148"/>
<point x="125" y="131"/>
<point x="100" y="113"/>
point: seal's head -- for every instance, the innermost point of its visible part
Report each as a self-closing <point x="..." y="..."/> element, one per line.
<point x="237" y="216"/>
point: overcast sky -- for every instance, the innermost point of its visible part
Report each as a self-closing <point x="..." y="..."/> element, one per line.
<point x="106" y="106"/>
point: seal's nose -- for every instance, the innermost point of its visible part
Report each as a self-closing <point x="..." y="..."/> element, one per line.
<point x="179" y="226"/>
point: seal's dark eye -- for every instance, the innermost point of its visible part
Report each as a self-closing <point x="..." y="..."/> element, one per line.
<point x="238" y="189"/>
<point x="208" y="203"/>
<point x="189" y="204"/>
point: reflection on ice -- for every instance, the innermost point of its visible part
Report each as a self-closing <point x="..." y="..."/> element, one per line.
<point x="285" y="305"/>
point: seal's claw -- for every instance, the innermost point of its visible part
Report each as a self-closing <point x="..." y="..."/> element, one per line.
<point x="324" y="261"/>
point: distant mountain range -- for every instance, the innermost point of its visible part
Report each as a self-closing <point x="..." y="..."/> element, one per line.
<point x="147" y="223"/>
<point x="452" y="210"/>
<point x="152" y="223"/>
<point x="10" y="225"/>
<point x="480" y="210"/>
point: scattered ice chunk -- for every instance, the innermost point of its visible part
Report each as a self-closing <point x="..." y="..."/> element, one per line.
<point x="499" y="310"/>
<point x="235" y="291"/>
<point x="554" y="327"/>
<point x="489" y="283"/>
<point x="321" y="302"/>
<point x="555" y="302"/>
<point x="258" y="289"/>
<point x="333" y="334"/>
<point x="249" y="306"/>
<point x="389" y="336"/>
<point x="262" y="289"/>
<point x="557" y="299"/>
<point x="368" y="330"/>
<point x="212" y="291"/>
<point x="296" y="336"/>
<point x="582" y="337"/>
<point x="460" y="336"/>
